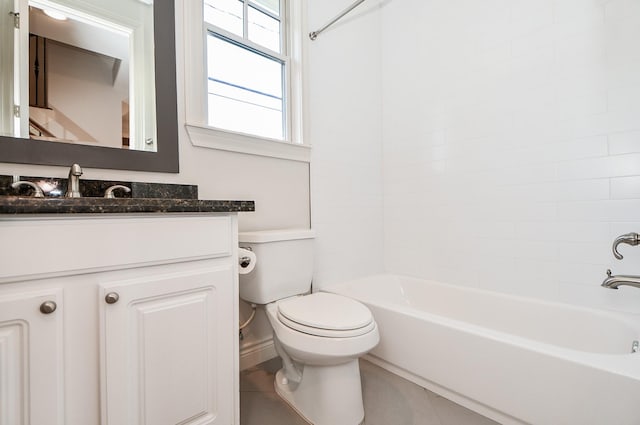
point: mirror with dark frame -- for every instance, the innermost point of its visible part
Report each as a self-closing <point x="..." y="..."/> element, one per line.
<point x="164" y="159"/>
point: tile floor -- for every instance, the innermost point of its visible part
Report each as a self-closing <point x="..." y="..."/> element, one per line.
<point x="388" y="400"/>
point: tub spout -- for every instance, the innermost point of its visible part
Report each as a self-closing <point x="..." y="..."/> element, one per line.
<point x="613" y="282"/>
<point x="632" y="239"/>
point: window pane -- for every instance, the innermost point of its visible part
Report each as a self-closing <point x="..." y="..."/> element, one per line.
<point x="238" y="115"/>
<point x="264" y="30"/>
<point x="242" y="67"/>
<point x="245" y="90"/>
<point x="272" y="6"/>
<point x="226" y="14"/>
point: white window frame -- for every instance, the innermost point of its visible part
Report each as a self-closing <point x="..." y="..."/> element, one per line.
<point x="195" y="66"/>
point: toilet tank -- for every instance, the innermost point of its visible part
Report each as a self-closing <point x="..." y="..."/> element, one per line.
<point x="284" y="264"/>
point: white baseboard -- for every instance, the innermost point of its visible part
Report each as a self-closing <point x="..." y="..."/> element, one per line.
<point x="256" y="353"/>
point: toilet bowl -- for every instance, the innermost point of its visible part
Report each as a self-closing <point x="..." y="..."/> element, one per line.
<point x="321" y="375"/>
<point x="319" y="336"/>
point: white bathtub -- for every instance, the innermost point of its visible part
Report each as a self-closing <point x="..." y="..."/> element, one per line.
<point x="512" y="359"/>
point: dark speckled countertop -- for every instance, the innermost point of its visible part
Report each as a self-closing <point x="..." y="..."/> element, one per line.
<point x="143" y="198"/>
<point x="21" y="205"/>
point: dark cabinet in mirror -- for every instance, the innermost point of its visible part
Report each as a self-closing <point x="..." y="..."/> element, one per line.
<point x="164" y="159"/>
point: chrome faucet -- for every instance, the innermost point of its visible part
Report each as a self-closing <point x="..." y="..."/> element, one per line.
<point x="73" y="184"/>
<point x="613" y="282"/>
<point x="632" y="239"/>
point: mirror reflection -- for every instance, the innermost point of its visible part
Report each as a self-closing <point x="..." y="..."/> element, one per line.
<point x="81" y="74"/>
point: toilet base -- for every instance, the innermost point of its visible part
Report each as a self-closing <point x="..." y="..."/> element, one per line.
<point x="326" y="395"/>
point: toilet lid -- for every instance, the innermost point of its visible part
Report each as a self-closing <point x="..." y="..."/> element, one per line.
<point x="325" y="314"/>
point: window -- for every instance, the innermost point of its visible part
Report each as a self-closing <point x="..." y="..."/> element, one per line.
<point x="247" y="66"/>
<point x="243" y="76"/>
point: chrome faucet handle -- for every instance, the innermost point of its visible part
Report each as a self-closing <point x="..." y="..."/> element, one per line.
<point x="37" y="192"/>
<point x="109" y="192"/>
<point x="632" y="239"/>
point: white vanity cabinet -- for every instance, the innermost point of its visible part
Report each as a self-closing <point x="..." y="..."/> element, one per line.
<point x="163" y="343"/>
<point x="31" y="357"/>
<point x="145" y="325"/>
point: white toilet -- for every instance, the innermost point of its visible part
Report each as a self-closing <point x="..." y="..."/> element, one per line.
<point x="319" y="336"/>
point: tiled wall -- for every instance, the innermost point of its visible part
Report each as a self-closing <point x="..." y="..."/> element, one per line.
<point x="345" y="130"/>
<point x="511" y="138"/>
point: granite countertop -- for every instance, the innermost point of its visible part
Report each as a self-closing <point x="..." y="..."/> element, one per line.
<point x="28" y="205"/>
<point x="143" y="198"/>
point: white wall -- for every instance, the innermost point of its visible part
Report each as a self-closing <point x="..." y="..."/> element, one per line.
<point x="512" y="144"/>
<point x="345" y="130"/>
<point x="80" y="87"/>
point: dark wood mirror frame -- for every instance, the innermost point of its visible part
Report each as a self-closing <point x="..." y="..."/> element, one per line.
<point x="26" y="151"/>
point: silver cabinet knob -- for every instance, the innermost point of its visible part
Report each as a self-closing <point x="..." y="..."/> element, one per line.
<point x="112" y="297"/>
<point x="48" y="307"/>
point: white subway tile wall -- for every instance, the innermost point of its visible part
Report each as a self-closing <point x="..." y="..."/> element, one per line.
<point x="345" y="129"/>
<point x="511" y="144"/>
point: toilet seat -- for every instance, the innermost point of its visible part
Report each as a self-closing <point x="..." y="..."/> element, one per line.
<point x="326" y="315"/>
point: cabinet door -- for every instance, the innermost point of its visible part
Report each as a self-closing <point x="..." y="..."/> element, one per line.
<point x="31" y="367"/>
<point x="168" y="348"/>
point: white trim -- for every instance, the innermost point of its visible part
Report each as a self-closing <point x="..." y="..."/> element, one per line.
<point x="296" y="26"/>
<point x="194" y="62"/>
<point x="21" y="77"/>
<point x="256" y="353"/>
<point x="212" y="138"/>
<point x="244" y="42"/>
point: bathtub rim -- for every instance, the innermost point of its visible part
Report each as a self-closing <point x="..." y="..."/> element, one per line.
<point x="624" y="364"/>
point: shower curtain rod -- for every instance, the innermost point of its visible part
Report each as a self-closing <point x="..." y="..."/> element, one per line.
<point x="313" y="35"/>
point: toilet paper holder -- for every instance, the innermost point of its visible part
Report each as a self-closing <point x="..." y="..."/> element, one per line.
<point x="245" y="261"/>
